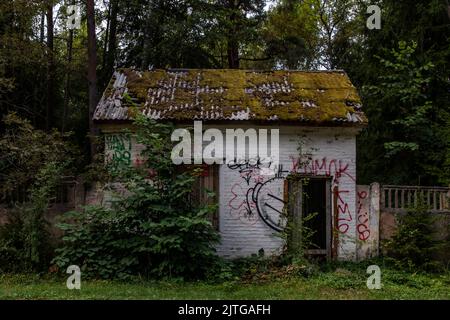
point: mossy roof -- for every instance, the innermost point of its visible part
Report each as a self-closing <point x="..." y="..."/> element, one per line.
<point x="317" y="97"/>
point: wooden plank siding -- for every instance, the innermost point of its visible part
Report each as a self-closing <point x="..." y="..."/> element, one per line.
<point x="208" y="180"/>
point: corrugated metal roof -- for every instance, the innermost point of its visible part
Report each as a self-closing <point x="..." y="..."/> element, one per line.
<point x="225" y="94"/>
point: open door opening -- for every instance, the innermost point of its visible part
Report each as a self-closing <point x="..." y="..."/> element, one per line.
<point x="310" y="209"/>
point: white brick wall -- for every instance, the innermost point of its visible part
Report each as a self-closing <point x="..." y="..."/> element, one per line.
<point x="333" y="152"/>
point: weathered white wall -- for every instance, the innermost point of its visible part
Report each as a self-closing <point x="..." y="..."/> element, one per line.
<point x="367" y="220"/>
<point x="332" y="153"/>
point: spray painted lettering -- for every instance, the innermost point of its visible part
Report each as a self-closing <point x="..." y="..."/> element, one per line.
<point x="337" y="169"/>
<point x="118" y="151"/>
<point x="362" y="226"/>
<point x="263" y="194"/>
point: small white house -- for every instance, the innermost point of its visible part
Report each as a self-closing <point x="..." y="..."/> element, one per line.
<point x="318" y="115"/>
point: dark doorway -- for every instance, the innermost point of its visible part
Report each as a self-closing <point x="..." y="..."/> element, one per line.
<point x="315" y="211"/>
<point x="310" y="207"/>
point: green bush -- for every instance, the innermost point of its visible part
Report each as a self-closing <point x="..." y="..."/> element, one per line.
<point x="33" y="163"/>
<point x="154" y="230"/>
<point x="25" y="240"/>
<point x="415" y="243"/>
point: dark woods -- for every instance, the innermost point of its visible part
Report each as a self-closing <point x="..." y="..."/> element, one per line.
<point x="54" y="76"/>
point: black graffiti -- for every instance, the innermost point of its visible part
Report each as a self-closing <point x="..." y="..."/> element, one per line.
<point x="247" y="168"/>
<point x="252" y="168"/>
<point x="256" y="193"/>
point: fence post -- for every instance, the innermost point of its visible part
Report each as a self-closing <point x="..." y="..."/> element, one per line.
<point x="446" y="200"/>
<point x="374" y="214"/>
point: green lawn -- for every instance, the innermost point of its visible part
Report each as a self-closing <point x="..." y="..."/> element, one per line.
<point x="341" y="284"/>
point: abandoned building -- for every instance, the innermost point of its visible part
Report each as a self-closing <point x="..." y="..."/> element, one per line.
<point x="317" y="116"/>
<point x="320" y="111"/>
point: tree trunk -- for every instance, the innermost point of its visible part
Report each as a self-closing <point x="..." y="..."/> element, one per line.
<point x="109" y="51"/>
<point x="67" y="86"/>
<point x="233" y="54"/>
<point x="42" y="28"/>
<point x="92" y="70"/>
<point x="68" y="72"/>
<point x="105" y="45"/>
<point x="111" y="56"/>
<point x="232" y="41"/>
<point x="50" y="67"/>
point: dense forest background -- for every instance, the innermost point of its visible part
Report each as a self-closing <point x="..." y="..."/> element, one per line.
<point x="53" y="76"/>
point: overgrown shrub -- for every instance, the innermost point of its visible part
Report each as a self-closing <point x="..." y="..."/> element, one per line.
<point x="153" y="229"/>
<point x="33" y="163"/>
<point x="25" y="151"/>
<point x="415" y="243"/>
<point x="25" y="240"/>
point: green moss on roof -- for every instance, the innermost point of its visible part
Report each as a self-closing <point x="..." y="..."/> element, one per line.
<point x="321" y="96"/>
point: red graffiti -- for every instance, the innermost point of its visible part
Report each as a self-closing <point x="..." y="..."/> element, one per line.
<point x="343" y="211"/>
<point x="295" y="163"/>
<point x="337" y="169"/>
<point x="258" y="179"/>
<point x="362" y="195"/>
<point x="362" y="218"/>
<point x="235" y="203"/>
<point x="333" y="167"/>
<point x="239" y="208"/>
<point x="139" y="161"/>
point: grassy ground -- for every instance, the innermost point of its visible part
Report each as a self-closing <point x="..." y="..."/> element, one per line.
<point x="340" y="283"/>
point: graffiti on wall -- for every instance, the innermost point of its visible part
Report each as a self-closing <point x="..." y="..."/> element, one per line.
<point x="256" y="194"/>
<point x="338" y="170"/>
<point x="331" y="168"/>
<point x="118" y="153"/>
<point x="362" y="217"/>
